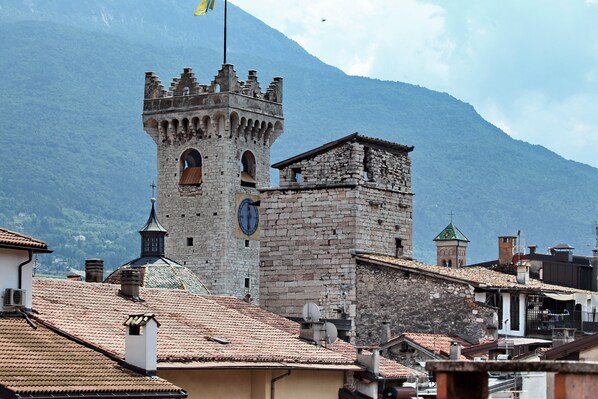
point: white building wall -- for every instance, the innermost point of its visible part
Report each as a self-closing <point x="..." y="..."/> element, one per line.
<point x="506" y="315"/>
<point x="533" y="386"/>
<point x="10" y="259"/>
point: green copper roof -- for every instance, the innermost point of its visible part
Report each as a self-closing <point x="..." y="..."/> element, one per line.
<point x="450" y="233"/>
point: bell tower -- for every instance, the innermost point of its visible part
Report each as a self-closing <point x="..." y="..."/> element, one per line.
<point x="213" y="152"/>
<point x="451" y="247"/>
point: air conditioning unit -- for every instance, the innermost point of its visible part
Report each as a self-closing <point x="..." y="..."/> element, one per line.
<point x="14" y="297"/>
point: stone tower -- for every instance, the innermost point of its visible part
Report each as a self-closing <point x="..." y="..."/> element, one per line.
<point x="345" y="197"/>
<point x="213" y="144"/>
<point x="451" y="247"/>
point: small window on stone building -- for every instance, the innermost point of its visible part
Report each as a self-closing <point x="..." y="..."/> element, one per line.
<point x="191" y="171"/>
<point x="450" y="263"/>
<point x="246" y="282"/>
<point x="398" y="247"/>
<point x="189" y="241"/>
<point x="186" y="91"/>
<point x="366" y="164"/>
<point x="248" y="169"/>
<point x="444" y="263"/>
<point x="297" y="175"/>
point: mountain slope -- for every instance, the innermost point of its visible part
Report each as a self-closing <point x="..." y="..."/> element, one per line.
<point x="76" y="162"/>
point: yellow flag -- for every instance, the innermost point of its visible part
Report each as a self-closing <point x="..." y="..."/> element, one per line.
<point x="203" y="7"/>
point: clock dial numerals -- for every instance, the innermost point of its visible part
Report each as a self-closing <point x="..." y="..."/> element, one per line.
<point x="248" y="217"/>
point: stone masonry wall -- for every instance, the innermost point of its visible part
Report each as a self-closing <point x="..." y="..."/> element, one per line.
<point x="312" y="225"/>
<point x="306" y="239"/>
<point x="339" y="165"/>
<point x="412" y="302"/>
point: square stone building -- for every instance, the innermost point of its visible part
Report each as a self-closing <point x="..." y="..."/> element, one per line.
<point x="350" y="195"/>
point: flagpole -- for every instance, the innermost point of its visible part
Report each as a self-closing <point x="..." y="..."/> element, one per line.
<point x="225" y="4"/>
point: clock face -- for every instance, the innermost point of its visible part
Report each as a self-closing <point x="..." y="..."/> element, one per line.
<point x="248" y="217"/>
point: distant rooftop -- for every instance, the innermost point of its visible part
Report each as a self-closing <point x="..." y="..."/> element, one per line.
<point x="475" y="276"/>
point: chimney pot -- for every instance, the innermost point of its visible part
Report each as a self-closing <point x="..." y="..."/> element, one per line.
<point x="94" y="270"/>
<point x="455" y="351"/>
<point x="129" y="283"/>
<point x="522" y="274"/>
<point x="385" y="332"/>
<point x="532" y="249"/>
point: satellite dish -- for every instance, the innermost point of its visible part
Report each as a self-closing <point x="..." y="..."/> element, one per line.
<point x="311" y="312"/>
<point x="331" y="332"/>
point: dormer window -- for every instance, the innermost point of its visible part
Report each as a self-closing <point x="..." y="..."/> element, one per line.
<point x="191" y="171"/>
<point x="248" y="169"/>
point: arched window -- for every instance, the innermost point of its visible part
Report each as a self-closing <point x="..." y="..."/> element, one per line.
<point x="191" y="173"/>
<point x="450" y="263"/>
<point x="444" y="263"/>
<point x="248" y="169"/>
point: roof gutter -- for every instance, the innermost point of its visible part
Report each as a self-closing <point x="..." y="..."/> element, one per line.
<point x="29" y="258"/>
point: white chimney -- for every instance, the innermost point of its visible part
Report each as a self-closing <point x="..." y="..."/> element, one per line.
<point x="141" y="342"/>
<point x="522" y="274"/>
<point x="455" y="351"/>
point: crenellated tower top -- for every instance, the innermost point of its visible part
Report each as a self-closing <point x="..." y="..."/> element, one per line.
<point x="249" y="110"/>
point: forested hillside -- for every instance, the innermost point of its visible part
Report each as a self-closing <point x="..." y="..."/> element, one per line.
<point x="76" y="163"/>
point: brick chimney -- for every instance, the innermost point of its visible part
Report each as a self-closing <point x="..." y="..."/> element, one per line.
<point x="506" y="249"/>
<point x="141" y="342"/>
<point x="94" y="270"/>
<point x="129" y="283"/>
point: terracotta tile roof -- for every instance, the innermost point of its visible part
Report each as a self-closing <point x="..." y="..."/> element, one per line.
<point x="188" y="323"/>
<point x="476" y="276"/>
<point x="13" y="239"/>
<point x="96" y="314"/>
<point x="435" y="343"/>
<point x="388" y="368"/>
<point x="39" y="361"/>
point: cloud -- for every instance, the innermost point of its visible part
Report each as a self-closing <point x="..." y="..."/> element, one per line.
<point x="386" y="39"/>
<point x="568" y="126"/>
<point x="539" y="55"/>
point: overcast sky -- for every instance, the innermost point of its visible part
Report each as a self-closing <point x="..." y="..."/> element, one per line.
<point x="529" y="67"/>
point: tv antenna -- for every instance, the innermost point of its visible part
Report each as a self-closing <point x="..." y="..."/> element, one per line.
<point x="311" y="313"/>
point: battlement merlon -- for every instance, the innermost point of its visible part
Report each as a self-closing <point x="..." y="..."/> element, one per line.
<point x="226" y="81"/>
<point x="226" y="107"/>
